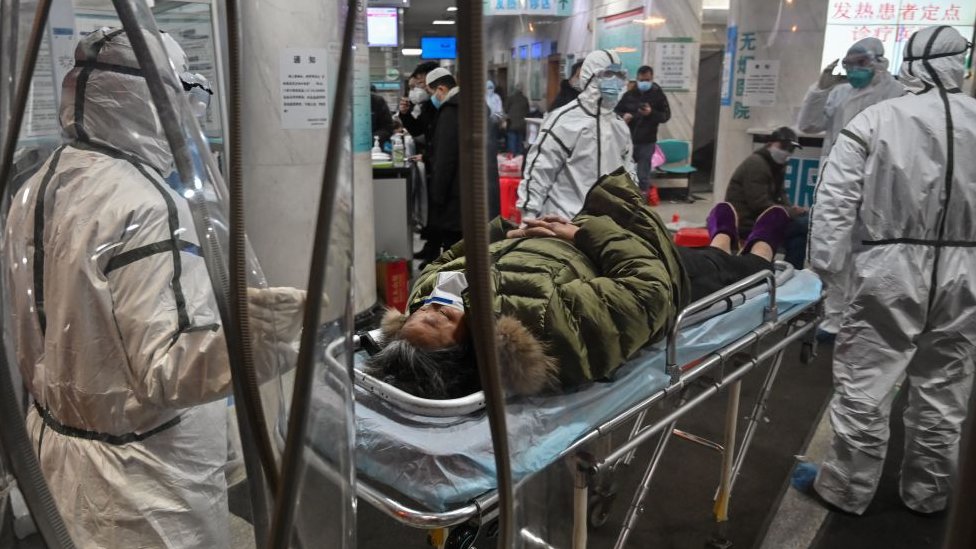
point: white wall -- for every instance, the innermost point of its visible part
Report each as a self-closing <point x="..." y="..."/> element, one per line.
<point x="798" y="51"/>
<point x="576" y="37"/>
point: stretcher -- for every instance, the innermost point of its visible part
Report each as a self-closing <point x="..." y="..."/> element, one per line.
<point x="430" y="464"/>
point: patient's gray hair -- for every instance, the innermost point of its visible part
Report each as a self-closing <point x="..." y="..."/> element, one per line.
<point x="435" y="374"/>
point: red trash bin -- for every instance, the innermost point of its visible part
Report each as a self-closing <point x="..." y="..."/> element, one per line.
<point x="692" y="237"/>
<point x="508" y="189"/>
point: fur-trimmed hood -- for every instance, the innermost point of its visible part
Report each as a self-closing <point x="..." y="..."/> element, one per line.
<point x="526" y="367"/>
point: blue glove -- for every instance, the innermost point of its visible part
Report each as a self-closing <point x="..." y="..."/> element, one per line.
<point x="803" y="476"/>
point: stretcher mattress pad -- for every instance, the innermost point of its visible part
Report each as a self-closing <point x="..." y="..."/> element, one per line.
<point x="442" y="462"/>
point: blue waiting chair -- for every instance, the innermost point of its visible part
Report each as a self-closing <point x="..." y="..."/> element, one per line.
<point x="677" y="165"/>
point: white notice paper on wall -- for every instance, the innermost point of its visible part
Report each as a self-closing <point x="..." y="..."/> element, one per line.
<point x="762" y="79"/>
<point x="672" y="69"/>
<point x="304" y="96"/>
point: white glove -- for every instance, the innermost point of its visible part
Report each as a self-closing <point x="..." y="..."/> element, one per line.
<point x="828" y="79"/>
<point x="276" y="312"/>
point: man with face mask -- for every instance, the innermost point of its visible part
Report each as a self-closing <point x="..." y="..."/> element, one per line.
<point x="578" y="143"/>
<point x="895" y="206"/>
<point x="758" y="183"/>
<point x="418" y="116"/>
<point x="416" y="113"/>
<point x="829" y="105"/>
<point x="643" y="109"/>
<point x="444" y="190"/>
<point x="114" y="322"/>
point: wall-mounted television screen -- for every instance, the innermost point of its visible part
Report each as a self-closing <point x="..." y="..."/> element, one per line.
<point x="438" y="47"/>
<point x="382" y="27"/>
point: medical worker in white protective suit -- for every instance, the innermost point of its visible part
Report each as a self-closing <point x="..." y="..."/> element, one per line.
<point x="896" y="203"/>
<point x="829" y="105"/>
<point x="116" y="330"/>
<point x="578" y="143"/>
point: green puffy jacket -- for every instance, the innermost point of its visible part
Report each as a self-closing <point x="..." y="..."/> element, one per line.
<point x="590" y="304"/>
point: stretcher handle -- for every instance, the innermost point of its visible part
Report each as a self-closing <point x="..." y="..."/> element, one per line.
<point x="767" y="276"/>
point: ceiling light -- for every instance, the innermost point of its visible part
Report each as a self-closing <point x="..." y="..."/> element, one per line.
<point x="452" y="8"/>
<point x="651" y="21"/>
<point x="411" y="52"/>
<point x="443" y="22"/>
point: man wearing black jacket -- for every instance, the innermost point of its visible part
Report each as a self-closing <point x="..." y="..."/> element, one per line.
<point x="416" y="112"/>
<point x="643" y="109"/>
<point x="759" y="183"/>
<point x="418" y="117"/>
<point x="569" y="89"/>
<point x="444" y="191"/>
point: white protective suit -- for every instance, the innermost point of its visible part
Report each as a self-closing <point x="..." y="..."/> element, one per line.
<point x="115" y="325"/>
<point x="578" y="143"/>
<point x="494" y="102"/>
<point x="897" y="202"/>
<point x="829" y="110"/>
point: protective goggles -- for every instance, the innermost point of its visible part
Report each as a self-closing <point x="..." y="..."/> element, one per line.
<point x="859" y="60"/>
<point x="613" y="71"/>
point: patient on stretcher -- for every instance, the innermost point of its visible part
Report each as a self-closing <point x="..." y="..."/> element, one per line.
<point x="573" y="300"/>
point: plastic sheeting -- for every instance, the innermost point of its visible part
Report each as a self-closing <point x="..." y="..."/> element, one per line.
<point x="442" y="462"/>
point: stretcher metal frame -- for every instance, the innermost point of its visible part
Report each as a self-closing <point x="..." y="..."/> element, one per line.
<point x="710" y="375"/>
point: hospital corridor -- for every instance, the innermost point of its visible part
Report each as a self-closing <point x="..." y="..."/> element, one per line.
<point x="515" y="274"/>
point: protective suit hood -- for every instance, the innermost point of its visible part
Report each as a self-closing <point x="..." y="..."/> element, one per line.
<point x="873" y="46"/>
<point x="934" y="57"/>
<point x="595" y="62"/>
<point x="105" y="99"/>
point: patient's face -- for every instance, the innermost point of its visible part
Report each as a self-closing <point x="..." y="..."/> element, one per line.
<point x="434" y="326"/>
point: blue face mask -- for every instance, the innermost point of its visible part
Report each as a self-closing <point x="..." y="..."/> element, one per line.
<point x="436" y="101"/>
<point x="860" y="77"/>
<point x="644" y="85"/>
<point x="610" y="91"/>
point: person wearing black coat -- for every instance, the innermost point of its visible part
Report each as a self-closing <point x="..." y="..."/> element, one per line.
<point x="568" y="89"/>
<point x="444" y="192"/>
<point x="643" y="109"/>
<point x="381" y="118"/>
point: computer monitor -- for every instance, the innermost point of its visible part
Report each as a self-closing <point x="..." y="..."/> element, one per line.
<point x="382" y="28"/>
<point x="438" y="47"/>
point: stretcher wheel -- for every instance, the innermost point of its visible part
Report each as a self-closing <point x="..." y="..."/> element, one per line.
<point x="718" y="543"/>
<point x="598" y="510"/>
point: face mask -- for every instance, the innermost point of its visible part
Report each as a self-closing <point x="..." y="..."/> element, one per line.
<point x="574" y="83"/>
<point x="436" y="101"/>
<point x="448" y="289"/>
<point x="418" y="96"/>
<point x="643" y="85"/>
<point x="780" y="156"/>
<point x="860" y="77"/>
<point x="610" y="91"/>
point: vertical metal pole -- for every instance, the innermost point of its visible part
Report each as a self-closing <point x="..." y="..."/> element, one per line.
<point x="637" y="505"/>
<point x="292" y="460"/>
<point x="23" y="89"/>
<point x="758" y="410"/>
<point x="581" y="490"/>
<point x="474" y="219"/>
<point x="16" y="441"/>
<point x="259" y="460"/>
<point x="638" y="423"/>
<point x="731" y="421"/>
